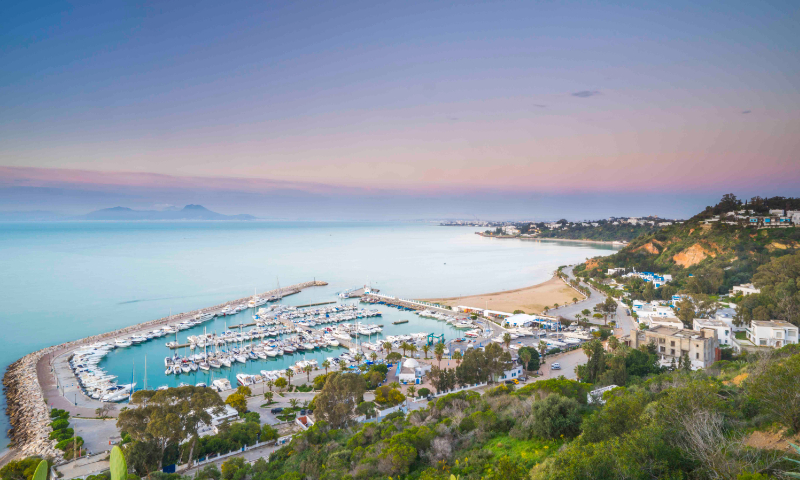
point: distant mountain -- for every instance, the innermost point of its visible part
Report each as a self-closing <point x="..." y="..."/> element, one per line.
<point x="189" y="212"/>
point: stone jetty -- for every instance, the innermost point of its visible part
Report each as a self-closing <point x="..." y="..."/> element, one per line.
<point x="27" y="408"/>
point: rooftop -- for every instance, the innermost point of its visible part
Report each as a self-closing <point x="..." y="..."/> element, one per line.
<point x="709" y="322"/>
<point x="773" y="324"/>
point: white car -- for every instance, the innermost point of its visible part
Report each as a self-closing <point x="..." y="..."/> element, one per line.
<point x="555" y="366"/>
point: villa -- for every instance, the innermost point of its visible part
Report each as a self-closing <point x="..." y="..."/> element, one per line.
<point x="746" y="289"/>
<point x="772" y="333"/>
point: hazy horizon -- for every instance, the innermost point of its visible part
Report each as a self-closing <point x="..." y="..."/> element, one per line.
<point x="360" y="110"/>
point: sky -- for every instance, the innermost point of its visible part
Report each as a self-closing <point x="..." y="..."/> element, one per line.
<point x="326" y="110"/>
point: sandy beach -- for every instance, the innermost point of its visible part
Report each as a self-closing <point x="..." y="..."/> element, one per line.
<point x="529" y="299"/>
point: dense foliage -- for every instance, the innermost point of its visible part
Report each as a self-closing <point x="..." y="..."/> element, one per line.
<point x="703" y="258"/>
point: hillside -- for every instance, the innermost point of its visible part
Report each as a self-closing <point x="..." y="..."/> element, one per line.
<point x="704" y="257"/>
<point x="605" y="232"/>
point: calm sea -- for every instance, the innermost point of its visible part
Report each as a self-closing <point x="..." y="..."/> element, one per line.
<point x="62" y="281"/>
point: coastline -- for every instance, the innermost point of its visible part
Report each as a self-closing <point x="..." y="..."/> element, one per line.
<point x="506" y="237"/>
<point x="27" y="379"/>
<point x="530" y="299"/>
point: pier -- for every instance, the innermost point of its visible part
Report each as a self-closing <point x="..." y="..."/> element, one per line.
<point x="32" y="379"/>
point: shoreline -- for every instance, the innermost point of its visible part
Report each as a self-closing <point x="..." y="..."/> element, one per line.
<point x="27" y="379"/>
<point x="529" y="299"/>
<point x="620" y="243"/>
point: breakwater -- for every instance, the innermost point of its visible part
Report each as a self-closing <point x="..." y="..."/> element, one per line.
<point x="27" y="409"/>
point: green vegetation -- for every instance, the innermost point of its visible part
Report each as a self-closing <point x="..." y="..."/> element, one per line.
<point x="704" y="258"/>
<point x="605" y="231"/>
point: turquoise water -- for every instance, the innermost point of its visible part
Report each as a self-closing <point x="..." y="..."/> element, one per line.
<point x="62" y="281"/>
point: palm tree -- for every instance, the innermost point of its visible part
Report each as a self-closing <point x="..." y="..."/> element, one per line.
<point x="412" y="390"/>
<point x="574" y="299"/>
<point x="525" y="356"/>
<point x="308" y="369"/>
<point x="359" y="356"/>
<point x="326" y="365"/>
<point x="457" y="357"/>
<point x="507" y="340"/>
<point x="404" y="346"/>
<point x="289" y="375"/>
<point x="387" y="346"/>
<point x="270" y="384"/>
<point x="426" y="348"/>
<point x="394" y="385"/>
<point x="342" y="365"/>
<point x="412" y="349"/>
<point x="613" y="343"/>
<point x="373" y="356"/>
<point x="542" y="348"/>
<point x="268" y="396"/>
<point x="293" y="402"/>
<point x="438" y="351"/>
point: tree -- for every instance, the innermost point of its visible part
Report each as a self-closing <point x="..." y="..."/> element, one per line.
<point x="270" y="384"/>
<point x="167" y="417"/>
<point x="542" y="348"/>
<point x="411" y="390"/>
<point x="595" y="364"/>
<point x="359" y="357"/>
<point x="373" y="356"/>
<point x="438" y="352"/>
<point x="281" y="383"/>
<point x="507" y="340"/>
<point x="326" y="365"/>
<point x="237" y="401"/>
<point x="776" y="388"/>
<point x="525" y="357"/>
<point x="530" y="359"/>
<point x="586" y="312"/>
<point x="648" y="294"/>
<point x="388" y="346"/>
<point x="412" y="349"/>
<point x="338" y="399"/>
<point x="342" y="365"/>
<point x="685" y="311"/>
<point x="404" y="346"/>
<point x="394" y="357"/>
<point x="457" y="357"/>
<point x="388" y="395"/>
<point x="289" y="375"/>
<point x="395" y="384"/>
<point x="556" y="417"/>
<point x="308" y="369"/>
<point x="574" y="299"/>
<point x="293" y="402"/>
<point x="103" y="410"/>
<point x="497" y="361"/>
<point x="268" y="396"/>
<point x="244" y="390"/>
<point x="426" y="348"/>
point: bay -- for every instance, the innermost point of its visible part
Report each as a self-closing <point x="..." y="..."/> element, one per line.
<point x="66" y="280"/>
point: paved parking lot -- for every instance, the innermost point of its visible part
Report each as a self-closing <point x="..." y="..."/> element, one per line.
<point x="95" y="433"/>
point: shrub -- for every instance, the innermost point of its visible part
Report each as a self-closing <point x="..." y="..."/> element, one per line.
<point x="556" y="416"/>
<point x="59" y="424"/>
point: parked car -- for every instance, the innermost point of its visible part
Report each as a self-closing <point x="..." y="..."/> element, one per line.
<point x="555" y="366"/>
<point x="276" y="410"/>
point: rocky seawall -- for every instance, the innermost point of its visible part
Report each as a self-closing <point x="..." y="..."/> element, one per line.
<point x="27" y="409"/>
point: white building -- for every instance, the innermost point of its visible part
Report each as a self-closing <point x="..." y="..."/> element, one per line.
<point x="520" y="320"/>
<point x="746" y="289"/>
<point x="411" y="371"/>
<point x="724" y="331"/>
<point x="671" y="322"/>
<point x="515" y="372"/>
<point x="771" y="333"/>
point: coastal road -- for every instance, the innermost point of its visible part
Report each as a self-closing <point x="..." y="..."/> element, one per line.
<point x="569" y="311"/>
